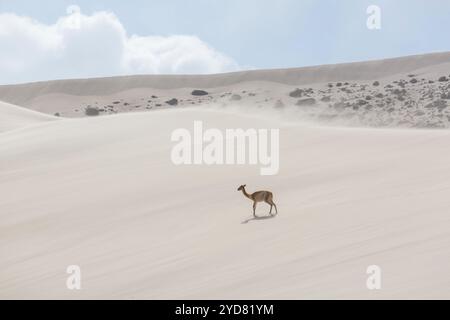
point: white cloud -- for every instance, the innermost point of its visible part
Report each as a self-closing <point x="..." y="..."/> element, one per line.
<point x="81" y="46"/>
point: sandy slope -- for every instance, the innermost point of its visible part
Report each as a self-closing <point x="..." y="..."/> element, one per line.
<point x="102" y="193"/>
<point x="12" y="117"/>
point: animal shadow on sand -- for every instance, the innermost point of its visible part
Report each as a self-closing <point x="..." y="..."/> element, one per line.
<point x="257" y="218"/>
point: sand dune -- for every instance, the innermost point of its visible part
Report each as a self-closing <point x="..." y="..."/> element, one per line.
<point x="13" y="117"/>
<point x="103" y="194"/>
<point x="406" y="92"/>
<point x="368" y="70"/>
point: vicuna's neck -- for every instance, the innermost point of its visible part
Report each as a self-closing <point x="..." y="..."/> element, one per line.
<point x="245" y="193"/>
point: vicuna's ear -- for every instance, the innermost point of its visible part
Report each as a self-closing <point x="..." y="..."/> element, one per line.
<point x="245" y="185"/>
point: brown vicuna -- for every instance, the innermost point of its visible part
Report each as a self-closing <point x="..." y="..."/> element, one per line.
<point x="259" y="196"/>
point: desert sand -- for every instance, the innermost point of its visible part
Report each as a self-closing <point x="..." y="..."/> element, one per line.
<point x="15" y="117"/>
<point x="101" y="192"/>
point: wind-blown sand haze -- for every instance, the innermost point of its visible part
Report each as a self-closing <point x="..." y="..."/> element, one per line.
<point x="102" y="192"/>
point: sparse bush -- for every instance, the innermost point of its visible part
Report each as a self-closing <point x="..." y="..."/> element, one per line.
<point x="90" y="111"/>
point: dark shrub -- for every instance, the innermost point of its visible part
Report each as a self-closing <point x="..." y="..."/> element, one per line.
<point x="297" y="93"/>
<point x="90" y="111"/>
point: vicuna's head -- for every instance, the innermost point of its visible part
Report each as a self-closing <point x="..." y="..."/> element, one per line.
<point x="241" y="187"/>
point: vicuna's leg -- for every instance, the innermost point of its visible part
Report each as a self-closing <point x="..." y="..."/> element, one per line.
<point x="254" y="209"/>
<point x="276" y="210"/>
<point x="269" y="202"/>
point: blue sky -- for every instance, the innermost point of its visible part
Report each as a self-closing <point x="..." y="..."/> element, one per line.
<point x="271" y="34"/>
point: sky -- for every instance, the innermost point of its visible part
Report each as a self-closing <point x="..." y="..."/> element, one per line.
<point x="49" y="39"/>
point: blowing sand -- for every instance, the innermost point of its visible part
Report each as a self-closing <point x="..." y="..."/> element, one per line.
<point x="103" y="194"/>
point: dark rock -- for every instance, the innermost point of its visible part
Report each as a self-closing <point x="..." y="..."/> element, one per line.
<point x="199" y="93"/>
<point x="361" y="102"/>
<point x="297" y="93"/>
<point x="445" y="95"/>
<point x="375" y="83"/>
<point x="306" y="102"/>
<point x="235" y="97"/>
<point x="172" y="102"/>
<point x="399" y="92"/>
<point x="443" y="79"/>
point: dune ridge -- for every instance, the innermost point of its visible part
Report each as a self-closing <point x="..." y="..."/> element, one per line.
<point x="13" y="117"/>
<point x="367" y="70"/>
